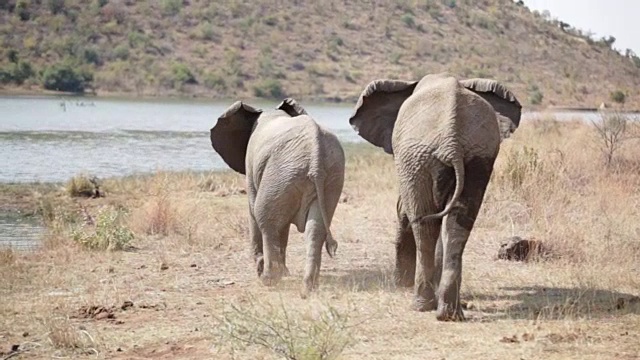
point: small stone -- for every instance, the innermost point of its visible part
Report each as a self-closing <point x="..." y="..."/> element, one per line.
<point x="512" y="339"/>
<point x="193" y="265"/>
<point x="164" y="266"/>
<point x="102" y="315"/>
<point x="127" y="304"/>
<point x="110" y="270"/>
<point x="25" y="334"/>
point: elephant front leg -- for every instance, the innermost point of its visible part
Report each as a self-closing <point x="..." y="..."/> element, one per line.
<point x="405" y="270"/>
<point x="315" y="237"/>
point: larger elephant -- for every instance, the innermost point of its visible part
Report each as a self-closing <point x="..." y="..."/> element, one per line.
<point x="294" y="175"/>
<point x="445" y="135"/>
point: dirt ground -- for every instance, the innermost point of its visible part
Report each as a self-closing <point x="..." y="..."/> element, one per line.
<point x="187" y="284"/>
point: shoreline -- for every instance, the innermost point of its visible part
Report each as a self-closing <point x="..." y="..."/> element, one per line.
<point x="199" y="97"/>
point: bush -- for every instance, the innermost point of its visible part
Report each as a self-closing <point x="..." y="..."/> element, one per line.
<point x="63" y="77"/>
<point x="285" y="332"/>
<point x="408" y="20"/>
<point x="182" y="74"/>
<point x="121" y="52"/>
<point x="56" y="6"/>
<point x="16" y="73"/>
<point x="171" y="7"/>
<point x="269" y="89"/>
<point x="215" y="81"/>
<point x="612" y="131"/>
<point x="618" y="96"/>
<point x="109" y="232"/>
<point x="22" y="9"/>
<point x="83" y="186"/>
<point x="535" y="95"/>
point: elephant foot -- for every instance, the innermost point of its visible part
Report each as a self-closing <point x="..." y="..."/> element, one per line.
<point x="272" y="274"/>
<point x="447" y="312"/>
<point x="423" y="305"/>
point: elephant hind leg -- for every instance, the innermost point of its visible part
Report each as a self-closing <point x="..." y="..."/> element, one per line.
<point x="315" y="235"/>
<point x="456" y="230"/>
<point x="405" y="271"/>
<point x="416" y="192"/>
<point x="274" y="264"/>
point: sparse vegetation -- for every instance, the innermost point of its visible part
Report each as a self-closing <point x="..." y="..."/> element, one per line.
<point x="613" y="130"/>
<point x="109" y="232"/>
<point x="618" y="96"/>
<point x="176" y="48"/>
<point x="322" y="333"/>
<point x="195" y="293"/>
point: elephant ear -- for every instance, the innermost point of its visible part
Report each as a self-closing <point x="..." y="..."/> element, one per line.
<point x="291" y="107"/>
<point x="377" y="109"/>
<point x="230" y="136"/>
<point x="503" y="101"/>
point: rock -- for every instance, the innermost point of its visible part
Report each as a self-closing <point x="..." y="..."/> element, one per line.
<point x="516" y="248"/>
<point x="164" y="266"/>
<point x="25" y="334"/>
<point x="127" y="304"/>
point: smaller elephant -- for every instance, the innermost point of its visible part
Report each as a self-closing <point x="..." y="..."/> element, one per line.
<point x="294" y="175"/>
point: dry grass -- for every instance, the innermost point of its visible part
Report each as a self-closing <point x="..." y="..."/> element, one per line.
<point x="550" y="183"/>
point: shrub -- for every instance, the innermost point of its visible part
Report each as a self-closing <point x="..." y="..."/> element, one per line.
<point x="56" y="6"/>
<point x="215" y="81"/>
<point x="91" y="56"/>
<point x="121" y="52"/>
<point x="109" y="232"/>
<point x="16" y="73"/>
<point x="535" y="95"/>
<point x="408" y="20"/>
<point x="270" y="88"/>
<point x="520" y="165"/>
<point x="618" y="96"/>
<point x="82" y="186"/>
<point x="63" y="77"/>
<point x="171" y="7"/>
<point x="182" y="74"/>
<point x="22" y="9"/>
<point x="613" y="130"/>
<point x="285" y="332"/>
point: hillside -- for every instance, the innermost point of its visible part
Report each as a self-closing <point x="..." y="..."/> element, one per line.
<point x="308" y="49"/>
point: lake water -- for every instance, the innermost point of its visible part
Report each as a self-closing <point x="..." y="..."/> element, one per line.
<point x="47" y="139"/>
<point x="51" y="139"/>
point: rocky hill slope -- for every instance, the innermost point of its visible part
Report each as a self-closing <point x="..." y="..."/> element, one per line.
<point x="321" y="49"/>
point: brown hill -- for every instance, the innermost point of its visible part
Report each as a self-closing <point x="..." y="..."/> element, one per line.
<point x="321" y="49"/>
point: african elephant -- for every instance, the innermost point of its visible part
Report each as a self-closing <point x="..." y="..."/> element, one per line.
<point x="294" y="175"/>
<point x="444" y="135"/>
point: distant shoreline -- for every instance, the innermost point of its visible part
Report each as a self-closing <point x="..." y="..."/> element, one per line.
<point x="21" y="92"/>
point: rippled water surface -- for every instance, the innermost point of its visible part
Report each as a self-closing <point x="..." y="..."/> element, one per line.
<point x="19" y="232"/>
<point x="52" y="139"/>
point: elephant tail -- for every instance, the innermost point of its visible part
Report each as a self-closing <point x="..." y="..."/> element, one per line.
<point x="331" y="245"/>
<point x="458" y="168"/>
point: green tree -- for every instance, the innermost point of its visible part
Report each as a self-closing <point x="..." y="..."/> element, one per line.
<point x="64" y="77"/>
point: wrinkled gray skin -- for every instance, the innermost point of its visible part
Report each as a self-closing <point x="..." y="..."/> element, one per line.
<point x="294" y="174"/>
<point x="444" y="135"/>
